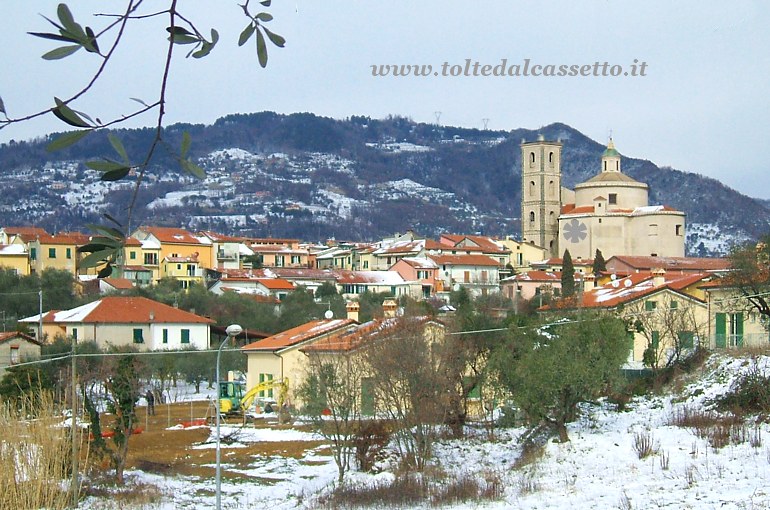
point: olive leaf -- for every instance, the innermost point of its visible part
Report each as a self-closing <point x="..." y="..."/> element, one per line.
<point x="66" y="140"/>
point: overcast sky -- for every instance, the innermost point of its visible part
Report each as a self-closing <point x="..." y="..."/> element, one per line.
<point x="702" y="107"/>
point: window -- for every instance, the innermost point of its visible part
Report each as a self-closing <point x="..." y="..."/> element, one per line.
<point x="484" y="276"/>
<point x="531" y="159"/>
<point x="75" y="333"/>
<point x="532" y="217"/>
<point x="266" y="378"/>
<point x="165" y="335"/>
<point x="550" y="158"/>
<point x="69" y="253"/>
<point x="673" y="305"/>
<point x="296" y="259"/>
<point x="185" y="336"/>
<point x="531" y="188"/>
<point x="179" y="267"/>
<point x="15" y="357"/>
<point x="678" y="230"/>
<point x="51" y="253"/>
<point x="279" y="261"/>
<point x="519" y="259"/>
<point x="467" y="276"/>
<point x="650" y="305"/>
<point x="33" y="253"/>
<point x="366" y="264"/>
<point x="613" y="199"/>
<point x="138" y="338"/>
<point x="132" y="255"/>
<point x="551" y="189"/>
<point x="151" y="259"/>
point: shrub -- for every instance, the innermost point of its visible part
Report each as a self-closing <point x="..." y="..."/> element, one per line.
<point x="370" y="439"/>
<point x="749" y="394"/>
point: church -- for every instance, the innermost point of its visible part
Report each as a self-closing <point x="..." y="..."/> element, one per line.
<point x="609" y="212"/>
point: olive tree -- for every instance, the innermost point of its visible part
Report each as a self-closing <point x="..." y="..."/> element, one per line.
<point x="551" y="369"/>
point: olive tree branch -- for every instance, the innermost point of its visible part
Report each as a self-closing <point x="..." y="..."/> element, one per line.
<point x="161" y="103"/>
<point x="105" y="59"/>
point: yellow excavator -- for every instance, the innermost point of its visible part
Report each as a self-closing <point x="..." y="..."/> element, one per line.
<point x="234" y="399"/>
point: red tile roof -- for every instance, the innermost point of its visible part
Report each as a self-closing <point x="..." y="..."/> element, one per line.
<point x="673" y="263"/>
<point x="170" y="235"/>
<point x="633" y="287"/>
<point x="6" y="336"/>
<point x="464" y="260"/>
<point x="125" y="310"/>
<point x="301" y="334"/>
<point x="119" y="283"/>
<point x="483" y="243"/>
<point x="352" y="338"/>
<point x="27" y="234"/>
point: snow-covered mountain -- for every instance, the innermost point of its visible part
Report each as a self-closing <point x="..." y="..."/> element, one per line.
<point x="311" y="177"/>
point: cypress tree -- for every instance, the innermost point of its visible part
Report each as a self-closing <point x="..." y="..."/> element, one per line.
<point x="600" y="264"/>
<point x="567" y="276"/>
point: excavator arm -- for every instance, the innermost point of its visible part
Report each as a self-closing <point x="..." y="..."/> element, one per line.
<point x="281" y="384"/>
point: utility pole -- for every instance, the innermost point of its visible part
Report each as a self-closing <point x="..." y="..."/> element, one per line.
<point x="40" y="316"/>
<point x="75" y="468"/>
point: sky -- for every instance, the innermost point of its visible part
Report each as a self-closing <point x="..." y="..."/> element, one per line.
<point x="701" y="106"/>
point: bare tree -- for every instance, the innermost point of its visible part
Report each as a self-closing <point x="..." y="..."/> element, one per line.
<point x="670" y="324"/>
<point x="332" y="395"/>
<point x="412" y="385"/>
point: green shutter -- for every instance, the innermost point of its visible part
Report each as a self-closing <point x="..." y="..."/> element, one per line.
<point x="738" y="318"/>
<point x="185" y="336"/>
<point x="165" y="335"/>
<point x="686" y="339"/>
<point x="33" y="253"/>
<point x="655" y="340"/>
<point x="650" y="305"/>
<point x="367" y="396"/>
<point x="138" y="338"/>
<point x="721" y="330"/>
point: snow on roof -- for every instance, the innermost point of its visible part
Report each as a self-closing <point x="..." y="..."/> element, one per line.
<point x="13" y="249"/>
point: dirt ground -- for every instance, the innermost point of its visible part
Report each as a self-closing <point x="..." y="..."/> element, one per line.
<point x="170" y="452"/>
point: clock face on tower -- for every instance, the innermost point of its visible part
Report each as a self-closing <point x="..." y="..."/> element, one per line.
<point x="575" y="231"/>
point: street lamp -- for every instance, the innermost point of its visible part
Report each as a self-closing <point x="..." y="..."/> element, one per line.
<point x="232" y="330"/>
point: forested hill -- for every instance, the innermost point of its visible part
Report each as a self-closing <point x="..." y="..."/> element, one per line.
<point x="312" y="177"/>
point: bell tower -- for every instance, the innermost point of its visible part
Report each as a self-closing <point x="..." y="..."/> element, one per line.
<point x="541" y="193"/>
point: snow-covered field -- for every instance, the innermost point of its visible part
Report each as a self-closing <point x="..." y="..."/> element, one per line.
<point x="598" y="468"/>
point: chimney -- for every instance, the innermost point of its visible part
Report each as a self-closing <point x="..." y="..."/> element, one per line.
<point x="658" y="276"/>
<point x="352" y="308"/>
<point x="389" y="308"/>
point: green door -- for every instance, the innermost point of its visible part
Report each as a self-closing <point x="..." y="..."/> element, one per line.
<point x="738" y="328"/>
<point x="367" y="396"/>
<point x="721" y="330"/>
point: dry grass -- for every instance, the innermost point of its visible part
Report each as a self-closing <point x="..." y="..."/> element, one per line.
<point x="34" y="456"/>
<point x="644" y="444"/>
<point x="719" y="429"/>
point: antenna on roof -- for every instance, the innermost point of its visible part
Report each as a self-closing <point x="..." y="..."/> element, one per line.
<point x="485" y="121"/>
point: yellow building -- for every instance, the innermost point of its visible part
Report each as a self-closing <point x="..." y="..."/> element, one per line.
<point x="15" y="257"/>
<point x="158" y="243"/>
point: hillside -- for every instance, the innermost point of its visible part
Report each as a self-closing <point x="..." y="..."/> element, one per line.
<point x="703" y="466"/>
<point x="312" y="177"/>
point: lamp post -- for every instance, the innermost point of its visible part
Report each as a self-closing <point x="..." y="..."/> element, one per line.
<point x="232" y="330"/>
